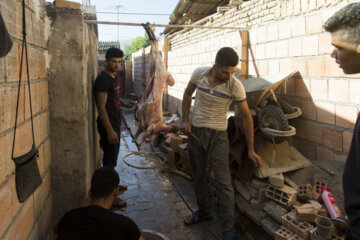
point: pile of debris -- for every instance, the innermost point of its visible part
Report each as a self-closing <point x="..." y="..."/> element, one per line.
<point x="287" y="212"/>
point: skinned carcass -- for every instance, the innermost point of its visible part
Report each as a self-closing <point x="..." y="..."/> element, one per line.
<point x="150" y="112"/>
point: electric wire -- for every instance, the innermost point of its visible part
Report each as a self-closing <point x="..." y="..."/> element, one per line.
<point x="146" y="14"/>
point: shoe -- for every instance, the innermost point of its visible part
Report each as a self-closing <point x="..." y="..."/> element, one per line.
<point x="228" y="236"/>
<point x="195" y="218"/>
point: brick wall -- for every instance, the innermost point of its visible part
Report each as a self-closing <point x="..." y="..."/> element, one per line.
<point x="285" y="35"/>
<point x="28" y="220"/>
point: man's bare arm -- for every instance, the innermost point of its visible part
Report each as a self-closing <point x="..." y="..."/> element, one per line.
<point x="190" y="89"/>
<point x="249" y="132"/>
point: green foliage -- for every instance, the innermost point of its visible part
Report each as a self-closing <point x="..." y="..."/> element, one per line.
<point x="136" y="44"/>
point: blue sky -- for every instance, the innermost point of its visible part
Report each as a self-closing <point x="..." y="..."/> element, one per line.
<point x="110" y="32"/>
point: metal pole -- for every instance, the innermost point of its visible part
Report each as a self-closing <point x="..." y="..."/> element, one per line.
<point x="165" y="25"/>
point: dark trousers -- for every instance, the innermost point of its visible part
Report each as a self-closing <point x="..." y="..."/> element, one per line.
<point x="111" y="151"/>
<point x="211" y="146"/>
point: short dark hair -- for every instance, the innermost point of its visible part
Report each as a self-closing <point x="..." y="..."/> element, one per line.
<point x="103" y="182"/>
<point x="114" y="53"/>
<point x="345" y="23"/>
<point x="226" y="57"/>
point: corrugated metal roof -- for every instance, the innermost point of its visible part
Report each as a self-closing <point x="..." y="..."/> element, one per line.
<point x="190" y="11"/>
<point x="103" y="46"/>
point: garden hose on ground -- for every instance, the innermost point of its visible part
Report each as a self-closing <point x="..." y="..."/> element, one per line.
<point x="162" y="160"/>
<point x="161" y="168"/>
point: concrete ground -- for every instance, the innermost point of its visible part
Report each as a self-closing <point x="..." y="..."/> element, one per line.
<point x="160" y="201"/>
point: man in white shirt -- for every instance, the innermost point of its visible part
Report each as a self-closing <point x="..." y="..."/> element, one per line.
<point x="208" y="141"/>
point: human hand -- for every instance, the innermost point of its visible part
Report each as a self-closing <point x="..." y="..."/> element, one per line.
<point x="185" y="127"/>
<point x="131" y="104"/>
<point x="256" y="159"/>
<point x="112" y="137"/>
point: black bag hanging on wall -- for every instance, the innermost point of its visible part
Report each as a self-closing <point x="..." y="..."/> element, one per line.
<point x="27" y="175"/>
<point x="5" y="40"/>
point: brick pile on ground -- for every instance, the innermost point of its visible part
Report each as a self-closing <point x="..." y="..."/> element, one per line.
<point x="283" y="209"/>
<point x="284" y="212"/>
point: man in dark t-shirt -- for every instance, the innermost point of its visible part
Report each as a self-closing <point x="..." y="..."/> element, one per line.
<point x="97" y="221"/>
<point x="344" y="27"/>
<point x="108" y="102"/>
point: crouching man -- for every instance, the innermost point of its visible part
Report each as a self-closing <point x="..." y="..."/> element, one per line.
<point x="97" y="221"/>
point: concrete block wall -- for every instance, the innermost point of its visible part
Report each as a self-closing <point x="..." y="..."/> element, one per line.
<point x="284" y="36"/>
<point x="28" y="220"/>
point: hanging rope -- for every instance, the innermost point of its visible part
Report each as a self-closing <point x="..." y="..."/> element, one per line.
<point x="27" y="176"/>
<point x="23" y="48"/>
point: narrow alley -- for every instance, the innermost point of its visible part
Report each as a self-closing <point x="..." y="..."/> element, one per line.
<point x="156" y="200"/>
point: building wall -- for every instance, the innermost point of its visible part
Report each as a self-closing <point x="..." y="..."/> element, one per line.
<point x="28" y="220"/>
<point x="72" y="71"/>
<point x="285" y="35"/>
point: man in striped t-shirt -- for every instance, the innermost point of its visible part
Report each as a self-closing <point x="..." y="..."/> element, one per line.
<point x="216" y="88"/>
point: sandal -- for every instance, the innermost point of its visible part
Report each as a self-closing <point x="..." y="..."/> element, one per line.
<point x="228" y="236"/>
<point x="195" y="218"/>
<point x="119" y="203"/>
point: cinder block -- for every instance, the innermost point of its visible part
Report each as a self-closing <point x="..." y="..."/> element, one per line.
<point x="295" y="237"/>
<point x="305" y="192"/>
<point x="317" y="189"/>
<point x="258" y="195"/>
<point x="277" y="180"/>
<point x="307" y="213"/>
<point x="270" y="226"/>
<point x="243" y="189"/>
<point x="275" y="211"/>
<point x="345" y="116"/>
<point x="302" y="229"/>
<point x="283" y="233"/>
<point x="347" y="138"/>
<point x="339" y="90"/>
<point x="258" y="184"/>
<point x="285" y="195"/>
<point x="332" y="138"/>
<point x="255" y="204"/>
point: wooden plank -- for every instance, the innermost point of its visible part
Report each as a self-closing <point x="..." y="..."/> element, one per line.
<point x="244" y="54"/>
<point x="287" y="159"/>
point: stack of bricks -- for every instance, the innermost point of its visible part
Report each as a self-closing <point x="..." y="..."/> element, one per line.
<point x="30" y="219"/>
